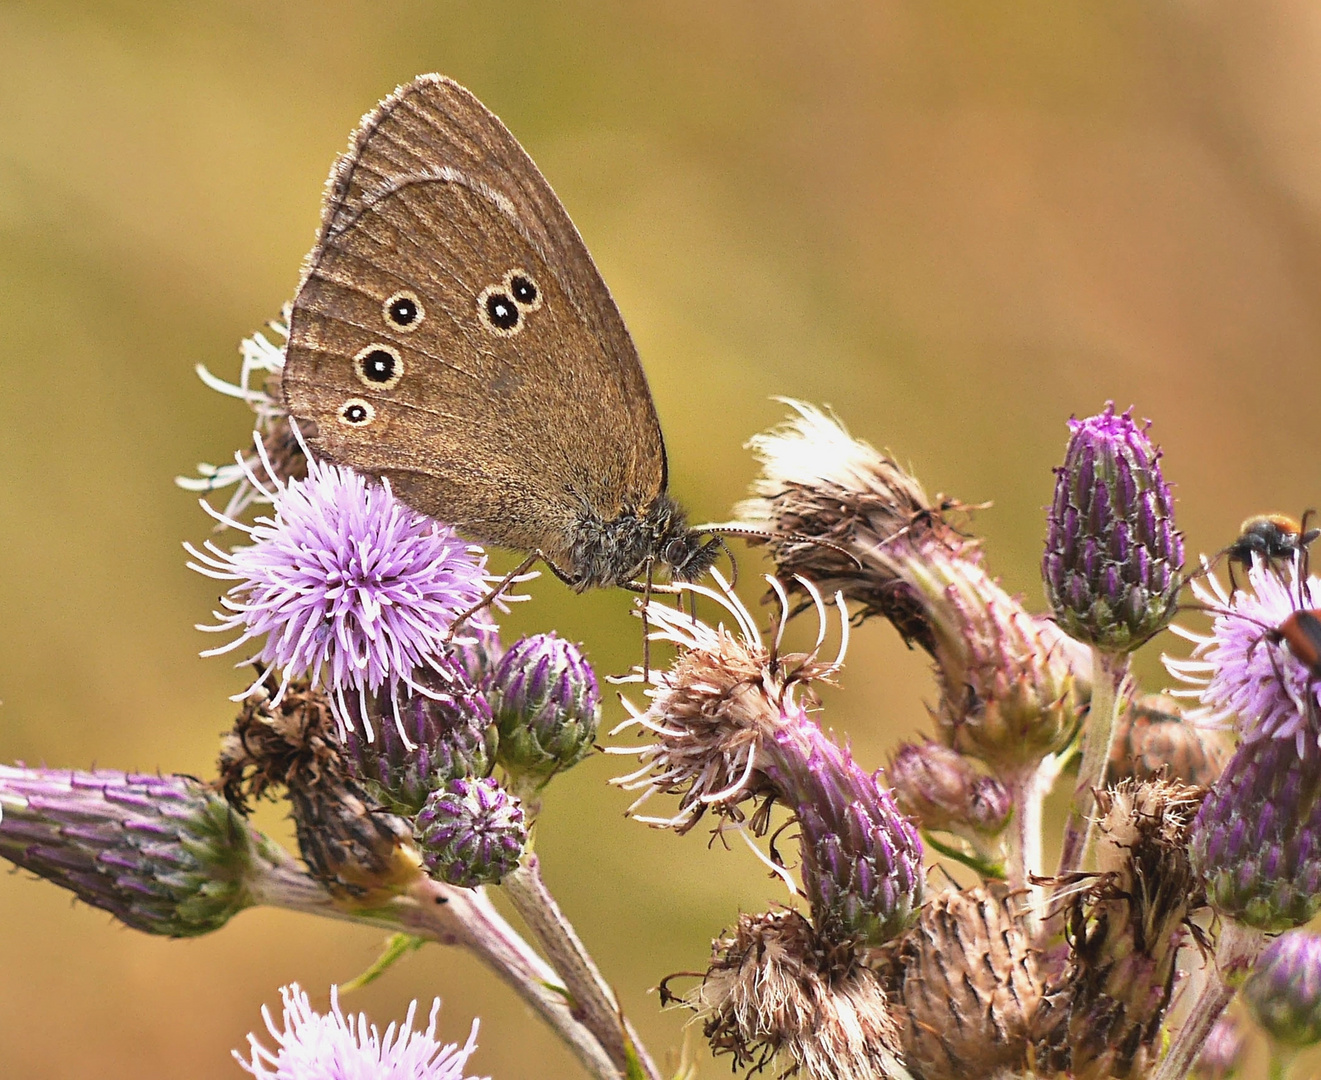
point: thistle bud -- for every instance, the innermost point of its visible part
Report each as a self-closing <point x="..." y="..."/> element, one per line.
<point x="1113" y="555"/>
<point x="471" y="832"/>
<point x="1284" y="990"/>
<point x="970" y="985"/>
<point x="476" y="651"/>
<point x="944" y="791"/>
<point x="162" y="854"/>
<point x="546" y="704"/>
<point x="452" y="735"/>
<point x="1256" y="842"/>
<point x="1152" y="739"/>
<point x="1009" y="695"/>
<point x="862" y="860"/>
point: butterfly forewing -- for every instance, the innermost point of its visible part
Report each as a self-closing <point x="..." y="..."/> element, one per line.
<point x="513" y="401"/>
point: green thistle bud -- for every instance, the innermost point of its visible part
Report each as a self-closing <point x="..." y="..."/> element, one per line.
<point x="547" y="707"/>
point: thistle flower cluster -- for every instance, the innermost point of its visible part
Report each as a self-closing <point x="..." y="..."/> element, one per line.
<point x="414" y="746"/>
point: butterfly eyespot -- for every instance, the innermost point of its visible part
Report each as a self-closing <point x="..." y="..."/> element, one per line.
<point x="523" y="288"/>
<point x="498" y="312"/>
<point x="404" y="311"/>
<point x="379" y="367"/>
<point x="356" y="413"/>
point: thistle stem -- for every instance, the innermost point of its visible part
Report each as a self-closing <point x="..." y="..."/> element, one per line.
<point x="1028" y="791"/>
<point x="448" y="916"/>
<point x="592" y="995"/>
<point x="1236" y="951"/>
<point x="1109" y="671"/>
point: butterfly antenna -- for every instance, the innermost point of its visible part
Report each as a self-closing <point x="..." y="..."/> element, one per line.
<point x="718" y="530"/>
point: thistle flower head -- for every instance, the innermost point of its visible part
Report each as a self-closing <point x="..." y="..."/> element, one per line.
<point x="472" y="832"/>
<point x="970" y="985"/>
<point x="446" y="734"/>
<point x="1222" y="1053"/>
<point x="547" y="706"/>
<point x="359" y="853"/>
<point x="714" y="710"/>
<point x="274" y="441"/>
<point x="162" y="854"/>
<point x="818" y="481"/>
<point x="1243" y="675"/>
<point x="346" y="585"/>
<point x="1113" y="555"/>
<point x="775" y="991"/>
<point x="1284" y="990"/>
<point x="1256" y="841"/>
<point x="728" y="728"/>
<point x="1009" y="693"/>
<point x="332" y="1046"/>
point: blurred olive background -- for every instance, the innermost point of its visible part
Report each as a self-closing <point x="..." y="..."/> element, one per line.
<point x="957" y="223"/>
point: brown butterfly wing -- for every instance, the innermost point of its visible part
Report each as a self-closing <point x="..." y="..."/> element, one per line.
<point x="513" y="436"/>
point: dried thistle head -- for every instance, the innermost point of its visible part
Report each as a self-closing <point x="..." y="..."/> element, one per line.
<point x="969" y="985"/>
<point x="714" y="712"/>
<point x="360" y="853"/>
<point x="1103" y="1012"/>
<point x="776" y="993"/>
<point x="818" y="481"/>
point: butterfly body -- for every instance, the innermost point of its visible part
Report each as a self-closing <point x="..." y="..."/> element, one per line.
<point x="452" y="335"/>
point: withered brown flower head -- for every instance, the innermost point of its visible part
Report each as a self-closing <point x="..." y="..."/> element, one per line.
<point x="776" y="994"/>
<point x="818" y="481"/>
<point x="1102" y="1014"/>
<point x="713" y="711"/>
<point x="360" y="853"/>
<point x="969" y="985"/>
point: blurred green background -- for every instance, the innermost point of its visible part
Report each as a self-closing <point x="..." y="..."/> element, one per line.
<point x="957" y="223"/>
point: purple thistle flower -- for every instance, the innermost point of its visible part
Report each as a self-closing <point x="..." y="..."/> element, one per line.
<point x="1284" y="990"/>
<point x="1112" y="559"/>
<point x="332" y="1046"/>
<point x="347" y="585"/>
<point x="472" y="832"/>
<point x="1242" y="677"/>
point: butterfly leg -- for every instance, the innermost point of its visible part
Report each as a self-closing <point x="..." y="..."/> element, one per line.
<point x="494" y="594"/>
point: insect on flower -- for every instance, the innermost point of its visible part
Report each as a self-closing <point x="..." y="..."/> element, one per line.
<point x="1269" y="538"/>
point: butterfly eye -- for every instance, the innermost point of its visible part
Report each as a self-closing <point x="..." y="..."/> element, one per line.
<point x="521" y="286"/>
<point x="356" y="413"/>
<point x="676" y="552"/>
<point x="498" y="312"/>
<point x="404" y="311"/>
<point x="379" y="367"/>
